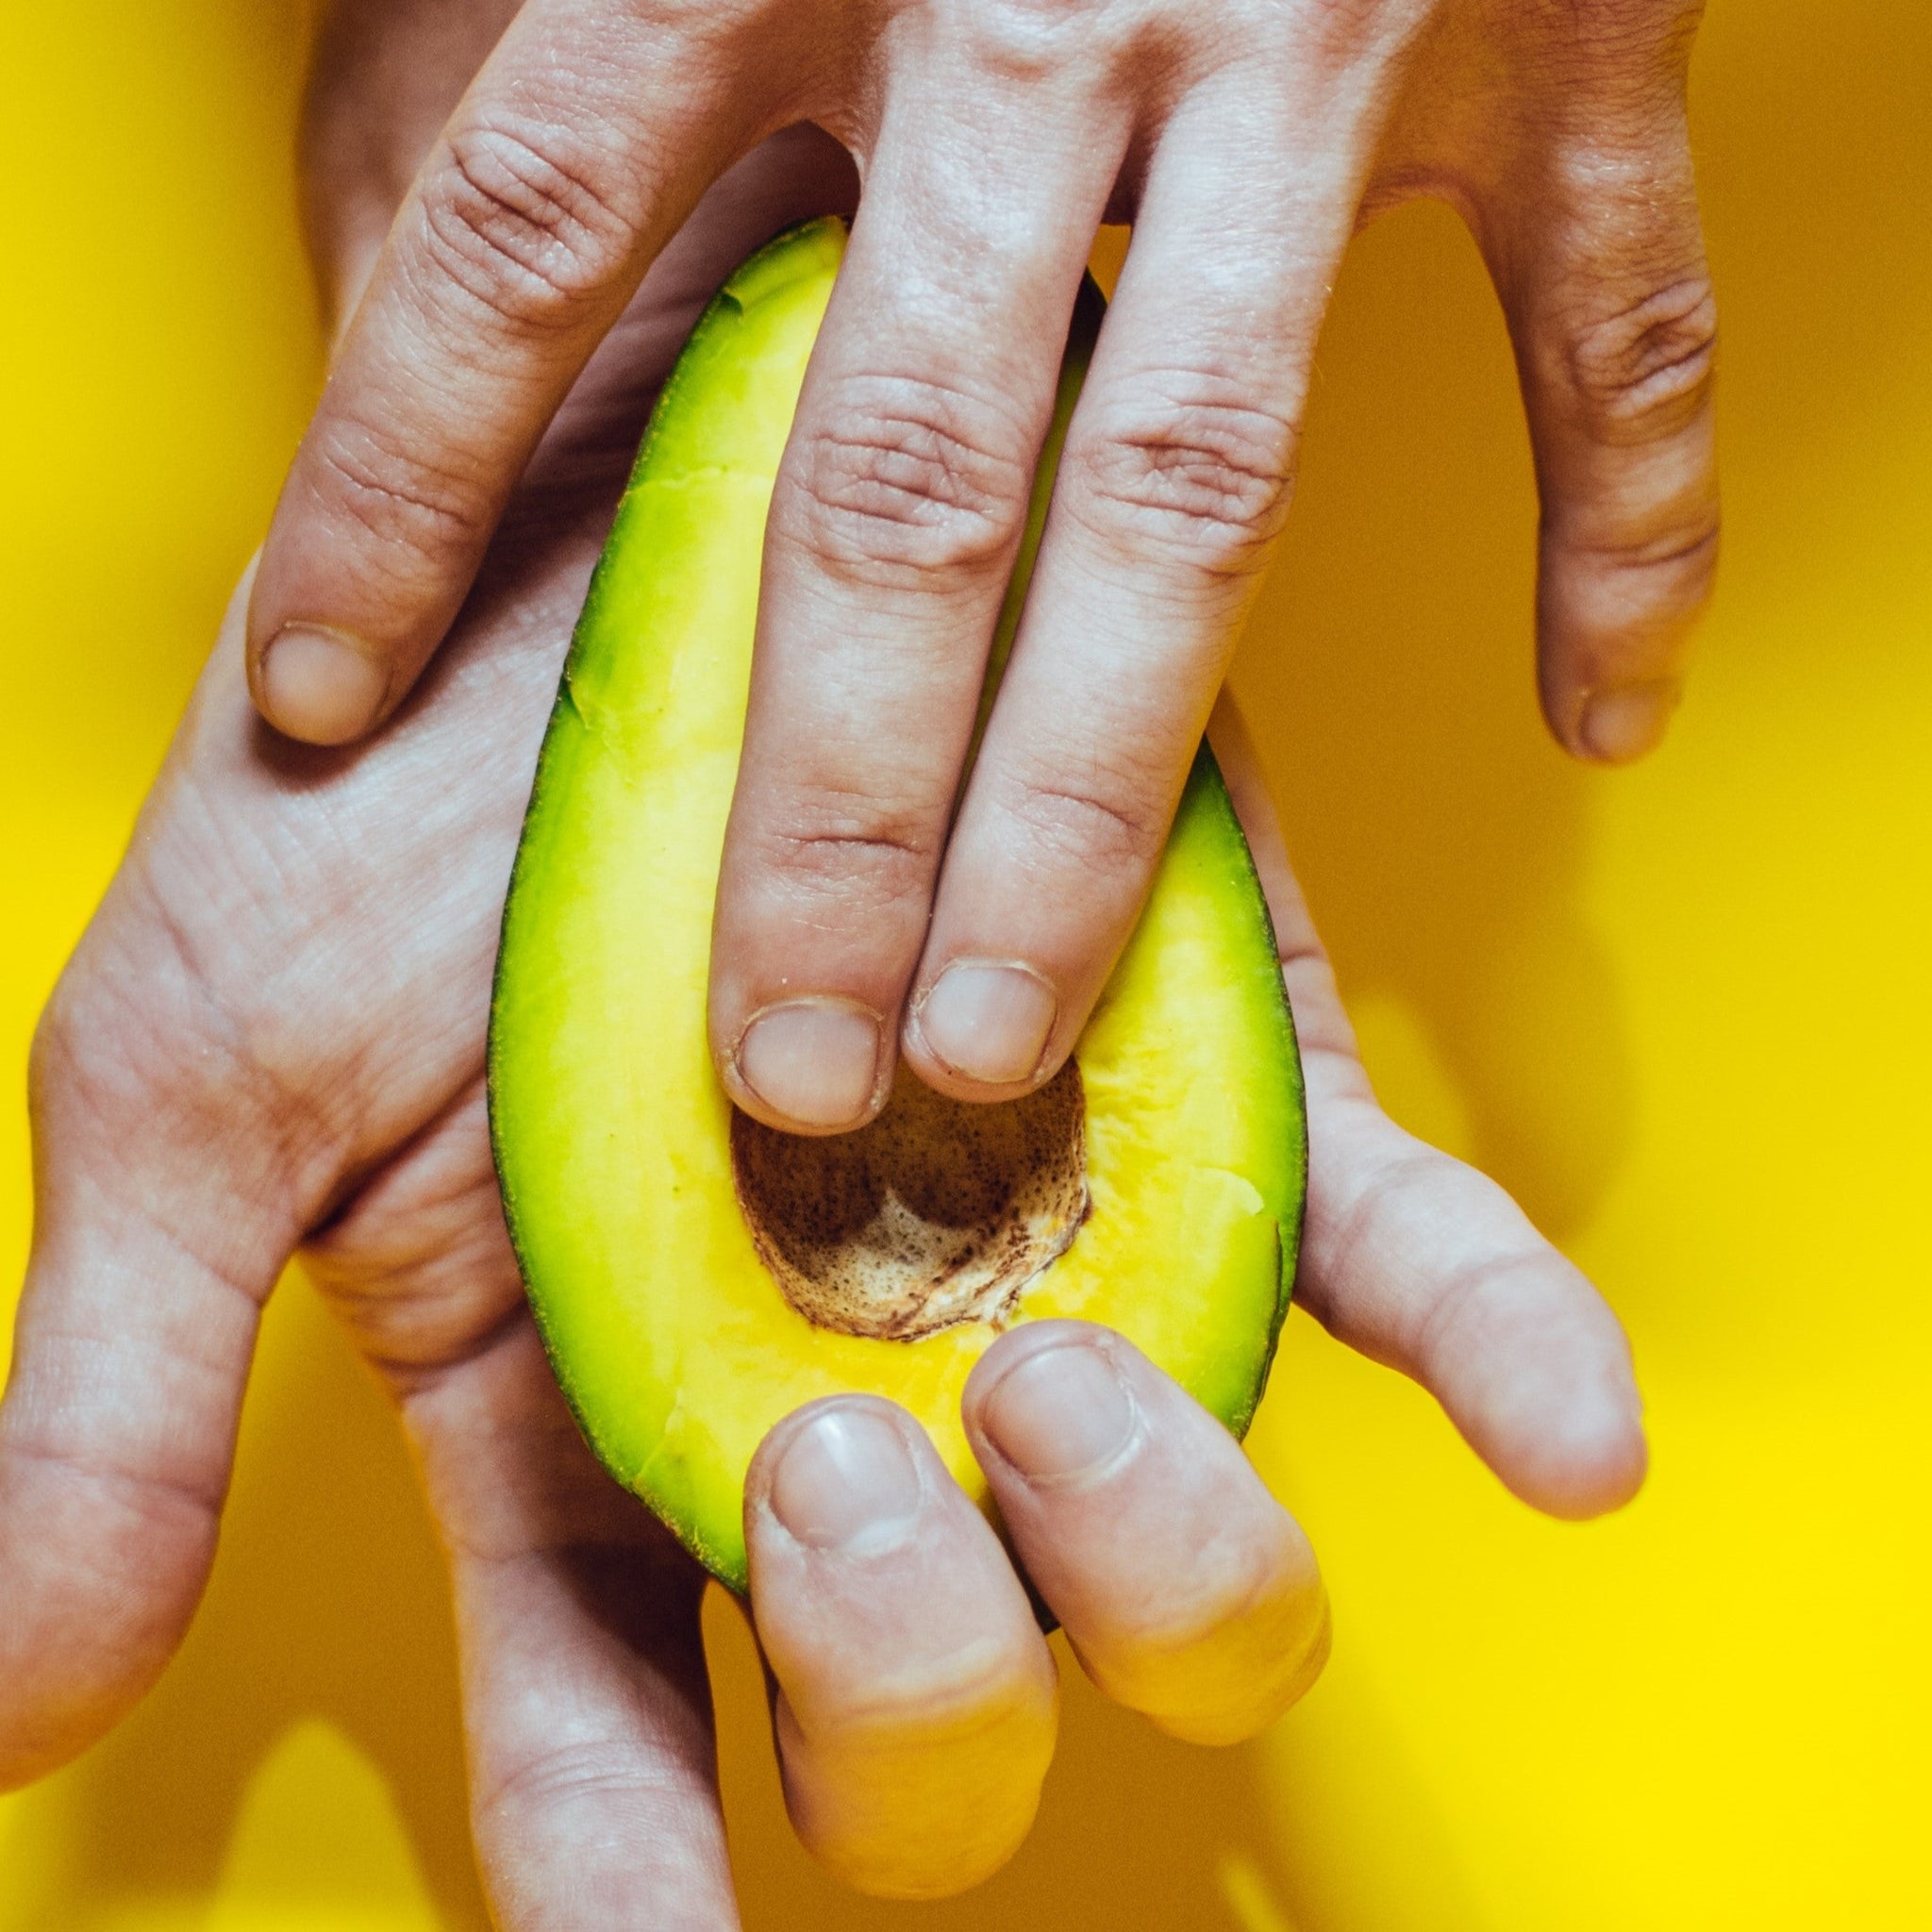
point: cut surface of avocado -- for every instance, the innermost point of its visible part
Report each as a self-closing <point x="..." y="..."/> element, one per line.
<point x="695" y="1276"/>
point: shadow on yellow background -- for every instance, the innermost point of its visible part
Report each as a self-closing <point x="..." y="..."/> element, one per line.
<point x="1679" y="1011"/>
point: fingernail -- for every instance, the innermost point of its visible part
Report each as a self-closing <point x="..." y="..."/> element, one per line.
<point x="845" y="1478"/>
<point x="1623" y="721"/>
<point x="813" y="1061"/>
<point x="988" y="1021"/>
<point x="320" y="685"/>
<point x="1060" y="1413"/>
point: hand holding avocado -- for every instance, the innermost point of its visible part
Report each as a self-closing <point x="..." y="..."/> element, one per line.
<point x="859" y="917"/>
<point x="697" y="1276"/>
<point x="272" y="1041"/>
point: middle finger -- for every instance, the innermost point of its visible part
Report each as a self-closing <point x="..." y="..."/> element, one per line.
<point x="894" y="527"/>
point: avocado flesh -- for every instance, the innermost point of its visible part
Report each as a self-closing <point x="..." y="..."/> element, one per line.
<point x="669" y="1334"/>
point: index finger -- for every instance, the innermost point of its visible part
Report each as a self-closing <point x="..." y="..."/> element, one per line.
<point x="584" y="143"/>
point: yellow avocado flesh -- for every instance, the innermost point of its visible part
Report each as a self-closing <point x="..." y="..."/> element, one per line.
<point x="672" y="1342"/>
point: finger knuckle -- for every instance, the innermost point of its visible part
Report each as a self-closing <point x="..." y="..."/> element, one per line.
<point x="1672" y="555"/>
<point x="587" y="1775"/>
<point x="1645" y="370"/>
<point x="1029" y="41"/>
<point x="937" y="1702"/>
<point x="1227" y="1639"/>
<point x="1237" y="1581"/>
<point x="157" y="1040"/>
<point x="924" y="1779"/>
<point x="167" y="1504"/>
<point x="152" y="1086"/>
<point x="1235" y="1696"/>
<point x="864" y="851"/>
<point x="526" y="216"/>
<point x="1621" y="568"/>
<point x="98" y="1053"/>
<point x="1468" y="1318"/>
<point x="1648" y="41"/>
<point x="903" y="479"/>
<point x="1337" y="31"/>
<point x="396" y="495"/>
<point x="1197" y="480"/>
<point x="1100" y="822"/>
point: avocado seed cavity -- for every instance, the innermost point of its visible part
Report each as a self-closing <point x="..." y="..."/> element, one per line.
<point x="937" y="1213"/>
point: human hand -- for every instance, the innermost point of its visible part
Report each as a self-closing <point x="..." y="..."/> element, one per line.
<point x="272" y="1038"/>
<point x="1245" y="139"/>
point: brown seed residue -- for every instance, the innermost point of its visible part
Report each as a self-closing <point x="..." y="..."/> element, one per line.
<point x="937" y="1213"/>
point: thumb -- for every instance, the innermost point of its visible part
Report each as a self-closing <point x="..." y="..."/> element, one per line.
<point x="162" y="1222"/>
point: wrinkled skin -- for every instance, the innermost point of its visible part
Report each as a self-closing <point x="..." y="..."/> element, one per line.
<point x="271" y="1041"/>
<point x="858" y="917"/>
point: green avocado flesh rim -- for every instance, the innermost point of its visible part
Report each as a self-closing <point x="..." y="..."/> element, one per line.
<point x="671" y="1341"/>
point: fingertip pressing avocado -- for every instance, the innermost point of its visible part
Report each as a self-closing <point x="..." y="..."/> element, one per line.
<point x="697" y="1276"/>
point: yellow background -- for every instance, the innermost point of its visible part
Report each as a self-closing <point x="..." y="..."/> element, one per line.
<point x="1680" y="1011"/>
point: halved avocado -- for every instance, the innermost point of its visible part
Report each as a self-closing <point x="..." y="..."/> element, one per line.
<point x="697" y="1276"/>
